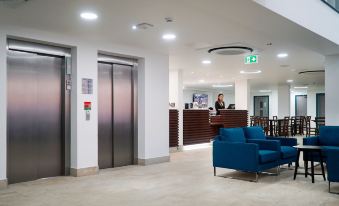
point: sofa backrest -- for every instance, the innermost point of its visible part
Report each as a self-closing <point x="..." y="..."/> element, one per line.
<point x="329" y="136"/>
<point x="254" y="133"/>
<point x="234" y="135"/>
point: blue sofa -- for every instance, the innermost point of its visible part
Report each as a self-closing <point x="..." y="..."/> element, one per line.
<point x="328" y="138"/>
<point x="232" y="150"/>
<point x="288" y="154"/>
<point x="332" y="164"/>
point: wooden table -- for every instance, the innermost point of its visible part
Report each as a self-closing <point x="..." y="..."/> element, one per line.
<point x="308" y="149"/>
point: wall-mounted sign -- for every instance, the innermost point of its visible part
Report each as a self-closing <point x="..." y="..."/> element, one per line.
<point x="251" y="59"/>
<point x="87" y="86"/>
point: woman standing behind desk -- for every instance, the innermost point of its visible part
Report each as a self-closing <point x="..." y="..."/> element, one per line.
<point x="219" y="104"/>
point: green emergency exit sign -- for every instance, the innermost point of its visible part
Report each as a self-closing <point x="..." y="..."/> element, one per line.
<point x="251" y="59"/>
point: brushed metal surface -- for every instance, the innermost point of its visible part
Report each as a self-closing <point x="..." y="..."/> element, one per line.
<point x="35" y="136"/>
<point x="123" y="111"/>
<point x="105" y="115"/>
<point x="116" y="129"/>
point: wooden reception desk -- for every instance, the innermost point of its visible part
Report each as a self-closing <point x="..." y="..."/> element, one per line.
<point x="173" y="128"/>
<point x="200" y="127"/>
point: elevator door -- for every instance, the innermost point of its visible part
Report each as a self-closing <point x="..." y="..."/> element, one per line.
<point x="115" y="115"/>
<point x="35" y="138"/>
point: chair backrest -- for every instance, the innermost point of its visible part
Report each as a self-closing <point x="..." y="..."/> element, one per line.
<point x="254" y="133"/>
<point x="329" y="136"/>
<point x="232" y="135"/>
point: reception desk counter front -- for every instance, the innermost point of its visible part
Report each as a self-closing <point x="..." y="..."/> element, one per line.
<point x="200" y="127"/>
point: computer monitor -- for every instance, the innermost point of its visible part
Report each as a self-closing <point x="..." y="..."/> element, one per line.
<point x="231" y="106"/>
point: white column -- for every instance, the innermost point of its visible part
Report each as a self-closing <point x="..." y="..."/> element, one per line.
<point x="3" y="110"/>
<point x="283" y="101"/>
<point x="331" y="90"/>
<point x="242" y="94"/>
<point x="176" y="95"/>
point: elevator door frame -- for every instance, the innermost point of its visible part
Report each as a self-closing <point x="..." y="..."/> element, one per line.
<point x="110" y="59"/>
<point x="65" y="84"/>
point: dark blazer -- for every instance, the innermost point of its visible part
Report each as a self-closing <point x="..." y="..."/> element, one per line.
<point x="219" y="106"/>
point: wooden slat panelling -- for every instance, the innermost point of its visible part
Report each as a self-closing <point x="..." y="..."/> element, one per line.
<point x="173" y="128"/>
<point x="234" y="118"/>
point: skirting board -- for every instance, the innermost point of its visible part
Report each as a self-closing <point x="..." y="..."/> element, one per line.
<point x="3" y="184"/>
<point x="151" y="161"/>
<point x="84" y="171"/>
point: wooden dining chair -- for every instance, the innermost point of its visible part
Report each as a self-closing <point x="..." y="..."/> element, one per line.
<point x="286" y="125"/>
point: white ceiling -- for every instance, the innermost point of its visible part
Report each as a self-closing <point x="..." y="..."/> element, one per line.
<point x="198" y="24"/>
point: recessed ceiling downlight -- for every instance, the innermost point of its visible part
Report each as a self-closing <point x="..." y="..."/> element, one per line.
<point x="206" y="61"/>
<point x="250" y="72"/>
<point x="222" y="85"/>
<point x="282" y="55"/>
<point x="289" y="80"/>
<point x="169" y="36"/>
<point x="230" y="50"/>
<point x="89" y="16"/>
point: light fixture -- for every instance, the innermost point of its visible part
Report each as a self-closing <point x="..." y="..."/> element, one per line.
<point x="222" y="85"/>
<point x="169" y="36"/>
<point x="289" y="80"/>
<point x="265" y="91"/>
<point x="300" y="87"/>
<point x="134" y="27"/>
<point x="250" y="72"/>
<point x="89" y="16"/>
<point x="201" y="81"/>
<point x="282" y="55"/>
<point x="206" y="62"/>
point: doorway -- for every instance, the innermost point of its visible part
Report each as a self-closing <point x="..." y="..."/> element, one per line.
<point x="261" y="106"/>
<point x="116" y="112"/>
<point x="37" y="112"/>
<point x="320" y="104"/>
<point x="301" y="105"/>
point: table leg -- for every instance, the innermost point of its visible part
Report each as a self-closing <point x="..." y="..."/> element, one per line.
<point x="306" y="166"/>
<point x="312" y="168"/>
<point x="296" y="165"/>
<point x="322" y="165"/>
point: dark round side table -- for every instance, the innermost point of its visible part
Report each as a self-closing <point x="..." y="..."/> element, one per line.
<point x="308" y="152"/>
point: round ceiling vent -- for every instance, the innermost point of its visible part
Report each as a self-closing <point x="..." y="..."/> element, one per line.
<point x="230" y="50"/>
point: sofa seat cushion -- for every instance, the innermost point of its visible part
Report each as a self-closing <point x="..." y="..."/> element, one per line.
<point x="329" y="136"/>
<point x="233" y="135"/>
<point x="288" y="152"/>
<point x="266" y="156"/>
<point x="254" y="133"/>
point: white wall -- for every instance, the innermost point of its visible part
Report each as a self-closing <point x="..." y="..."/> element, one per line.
<point x="283" y="101"/>
<point x="332" y="86"/>
<point x="311" y="14"/>
<point x="311" y="93"/>
<point x="242" y="94"/>
<point x="152" y="100"/>
<point x="273" y="102"/>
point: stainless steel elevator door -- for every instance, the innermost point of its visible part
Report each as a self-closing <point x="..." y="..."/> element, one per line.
<point x="35" y="138"/>
<point x="105" y="115"/>
<point x="122" y="111"/>
<point x="115" y="135"/>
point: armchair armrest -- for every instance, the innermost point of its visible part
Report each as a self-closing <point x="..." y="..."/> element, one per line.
<point x="285" y="141"/>
<point x="266" y="144"/>
<point x="332" y="164"/>
<point x="311" y="141"/>
<point x="238" y="156"/>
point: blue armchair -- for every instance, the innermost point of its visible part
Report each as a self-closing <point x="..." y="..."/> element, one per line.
<point x="230" y="150"/>
<point x="328" y="138"/>
<point x="332" y="166"/>
<point x="288" y="154"/>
